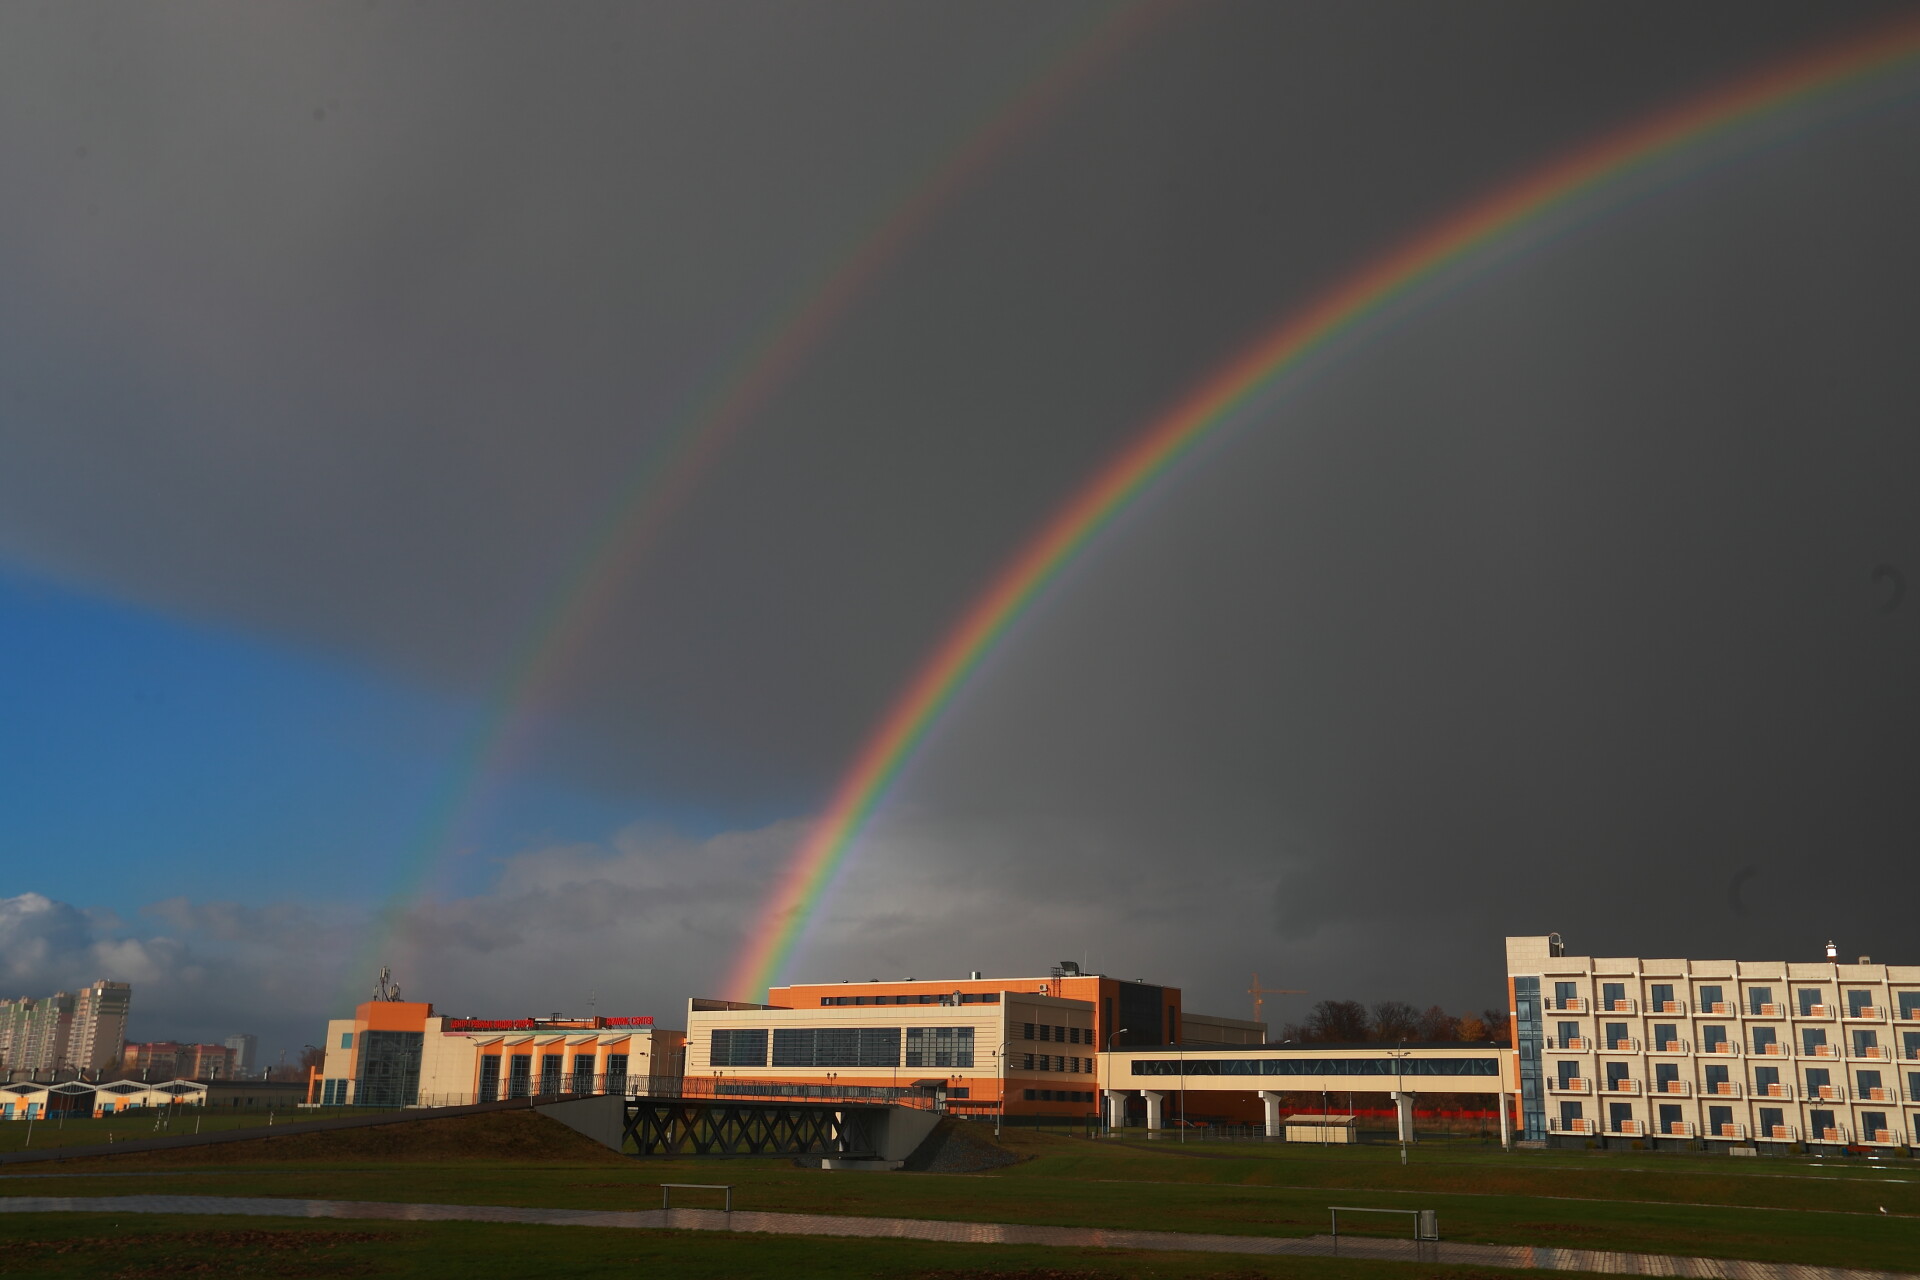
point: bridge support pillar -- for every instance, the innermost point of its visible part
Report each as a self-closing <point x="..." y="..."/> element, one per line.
<point x="1116" y="1109"/>
<point x="1153" y="1107"/>
<point x="1272" y="1100"/>
<point x="1403" y="1109"/>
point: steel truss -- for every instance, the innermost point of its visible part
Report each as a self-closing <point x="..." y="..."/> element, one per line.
<point x="677" y="1127"/>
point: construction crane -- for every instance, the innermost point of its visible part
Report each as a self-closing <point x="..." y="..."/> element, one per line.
<point x="1260" y="994"/>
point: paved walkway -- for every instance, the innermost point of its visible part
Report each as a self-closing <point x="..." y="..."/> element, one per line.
<point x="813" y="1224"/>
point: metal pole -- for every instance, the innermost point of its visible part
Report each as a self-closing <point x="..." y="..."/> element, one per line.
<point x="1400" y="1099"/>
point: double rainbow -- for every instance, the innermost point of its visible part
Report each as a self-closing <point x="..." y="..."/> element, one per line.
<point x="1404" y="268"/>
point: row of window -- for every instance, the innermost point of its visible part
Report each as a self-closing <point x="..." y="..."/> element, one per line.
<point x="553" y="1074"/>
<point x="1712" y="998"/>
<point x="1065" y="1035"/>
<point x="1059" y="1095"/>
<point x="1054" y="1062"/>
<point x="1316" y="1066"/>
<point x="1664" y="1037"/>
<point x="962" y="997"/>
<point x="841" y="1047"/>
<point x="1720" y="1119"/>
<point x="1764" y="1078"/>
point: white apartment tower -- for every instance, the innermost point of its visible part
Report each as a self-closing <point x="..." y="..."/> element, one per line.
<point x="1730" y="1052"/>
<point x="245" y="1050"/>
<point x="99" y="1025"/>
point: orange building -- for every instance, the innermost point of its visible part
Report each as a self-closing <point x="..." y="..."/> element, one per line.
<point x="401" y="1053"/>
<point x="1028" y="1045"/>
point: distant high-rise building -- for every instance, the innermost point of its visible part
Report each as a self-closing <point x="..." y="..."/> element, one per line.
<point x="152" y="1059"/>
<point x="36" y="1032"/>
<point x="99" y="1025"/>
<point x="244" y="1047"/>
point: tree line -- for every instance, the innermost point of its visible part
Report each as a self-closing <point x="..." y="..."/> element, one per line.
<point x="1350" y="1022"/>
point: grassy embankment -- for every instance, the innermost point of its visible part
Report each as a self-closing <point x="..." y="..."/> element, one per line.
<point x="1770" y="1210"/>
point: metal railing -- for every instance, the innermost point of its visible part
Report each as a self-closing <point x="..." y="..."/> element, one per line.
<point x="1826" y="1093"/>
<point x="1575" y="1044"/>
<point x="1871" y="1052"/>
<point x="1876" y="1093"/>
<point x="1781" y="1133"/>
<point x="1721" y="1089"/>
<point x="1619" y="1006"/>
<point x="1628" y="1128"/>
<point x="1883" y="1137"/>
<point x="1572" y="1004"/>
<point x="1625" y="1044"/>
<point x="1832" y="1133"/>
<point x="1772" y="1049"/>
<point x="1769" y="1009"/>
<point x="1569" y="1086"/>
<point x="1867" y="1013"/>
<point x="1676" y="1129"/>
<point x="1816" y="1011"/>
<point x="1621" y="1085"/>
<point x="1673" y="1046"/>
<point x="1667" y="1006"/>
<point x="1911" y="1014"/>
<point x="1719" y="1008"/>
<point x="1729" y="1131"/>
<point x="1674" y="1088"/>
<point x="1773" y="1091"/>
<point x="1578" y="1125"/>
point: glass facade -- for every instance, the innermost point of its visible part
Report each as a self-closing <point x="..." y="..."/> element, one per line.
<point x="836" y="1047"/>
<point x="389" y="1071"/>
<point x="738" y="1047"/>
<point x="940" y="1046"/>
<point x="1382" y="1066"/>
<point x="490" y="1078"/>
<point x="1528" y="1034"/>
<point x="520" y="1076"/>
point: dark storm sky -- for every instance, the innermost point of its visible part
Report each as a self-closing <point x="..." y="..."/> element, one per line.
<point x="1551" y="608"/>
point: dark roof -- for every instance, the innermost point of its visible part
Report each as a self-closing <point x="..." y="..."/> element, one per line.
<point x="1320" y="1046"/>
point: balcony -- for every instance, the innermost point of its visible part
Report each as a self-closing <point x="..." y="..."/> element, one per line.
<point x="1773" y="1091"/>
<point x="1826" y="1093"/>
<point x="1672" y="1046"/>
<point x="1676" y="1129"/>
<point x="1768" y="1011"/>
<point x="1883" y="1137"/>
<point x="1779" y="1133"/>
<point x="1674" y="1088"/>
<point x="1628" y="1128"/>
<point x="1908" y="1095"/>
<point x="1722" y="1048"/>
<point x="1667" y="1006"/>
<point x="1817" y="1011"/>
<point x="1620" y="1086"/>
<point x="1576" y="1044"/>
<point x="1720" y="1007"/>
<point x="1570" y="1086"/>
<point x="1832" y="1133"/>
<point x="1871" y="1052"/>
<point x="1572" y="1004"/>
<point x="1879" y="1094"/>
<point x="1772" y="1049"/>
<point x="1626" y="1044"/>
<point x="1867" y="1013"/>
<point x="1820" y="1051"/>
<point x="1910" y="1014"/>
<point x="1556" y="1125"/>
<point x="1727" y="1131"/>
<point x="1721" y="1089"/>
<point x="1619" y="1006"/>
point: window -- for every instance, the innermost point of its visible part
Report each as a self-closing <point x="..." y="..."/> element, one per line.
<point x="1046" y="1032"/>
<point x="1858" y="1000"/>
<point x="1612" y="991"/>
<point x="1665" y="1073"/>
<point x="1616" y="1036"/>
<point x="1758" y="998"/>
<point x="1027" y="1032"/>
<point x="1711" y="996"/>
<point x="1564" y="991"/>
<point x="739" y="1047"/>
<point x="1764" y="1039"/>
<point x="1033" y="1095"/>
<point x="1718" y="1120"/>
<point x="1864" y="1043"/>
<point x="346" y="1039"/>
<point x="520" y="1076"/>
<point x="490" y="1078"/>
<point x="1664" y="1034"/>
<point x="1818" y="1078"/>
<point x="1812" y="1038"/>
<point x="1764" y="1079"/>
<point x="1871" y="1123"/>
<point x="1569" y="1032"/>
<point x="1909" y="1004"/>
<point x="583" y="1073"/>
<point x="836" y="1046"/>
<point x="1385" y="1065"/>
<point x="1662" y="996"/>
<point x="550" y="1072"/>
<point x="1771" y="1119"/>
<point x="1026" y="1062"/>
<point x="1869" y="1081"/>
<point x="616" y="1073"/>
<point x="390" y="1068"/>
<point x="1060" y="1034"/>
<point x="940" y="1046"/>
<point x="1713" y="1039"/>
<point x="1809" y="997"/>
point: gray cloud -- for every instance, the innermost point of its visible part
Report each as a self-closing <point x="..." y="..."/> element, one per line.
<point x="1551" y="608"/>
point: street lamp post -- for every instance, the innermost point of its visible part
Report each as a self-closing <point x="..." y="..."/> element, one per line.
<point x="1400" y="1098"/>
<point x="1109" y="1089"/>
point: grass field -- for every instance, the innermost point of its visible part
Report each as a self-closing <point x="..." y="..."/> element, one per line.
<point x="61" y="1131"/>
<point x="1783" y="1210"/>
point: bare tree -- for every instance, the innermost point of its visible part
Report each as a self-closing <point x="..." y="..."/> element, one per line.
<point x="1395" y="1020"/>
<point x="1343" y="1021"/>
<point x="1437" y="1024"/>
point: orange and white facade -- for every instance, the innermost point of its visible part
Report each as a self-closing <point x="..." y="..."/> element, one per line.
<point x="1029" y="1044"/>
<point x="402" y="1053"/>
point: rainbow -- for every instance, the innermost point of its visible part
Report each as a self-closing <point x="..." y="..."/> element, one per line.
<point x="660" y="481"/>
<point x="1232" y="389"/>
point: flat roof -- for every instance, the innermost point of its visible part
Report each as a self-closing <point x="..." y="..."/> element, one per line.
<point x="1321" y="1046"/>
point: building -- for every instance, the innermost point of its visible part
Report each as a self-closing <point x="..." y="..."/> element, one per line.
<point x="246" y="1052"/>
<point x="166" y="1059"/>
<point x="28" y="1100"/>
<point x="1726" y="1052"/>
<point x="99" y="1024"/>
<point x="401" y="1053"/>
<point x="1031" y="1044"/>
<point x="36" y="1033"/>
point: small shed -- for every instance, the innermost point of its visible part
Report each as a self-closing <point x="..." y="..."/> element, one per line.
<point x="1316" y="1127"/>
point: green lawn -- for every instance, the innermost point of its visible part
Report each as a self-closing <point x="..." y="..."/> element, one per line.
<point x="59" y="1246"/>
<point x="19" y="1135"/>
<point x="1785" y="1210"/>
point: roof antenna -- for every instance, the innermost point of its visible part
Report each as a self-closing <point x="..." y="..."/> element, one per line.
<point x="386" y="988"/>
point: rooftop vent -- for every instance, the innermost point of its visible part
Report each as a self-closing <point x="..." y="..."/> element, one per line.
<point x="1833" y="952"/>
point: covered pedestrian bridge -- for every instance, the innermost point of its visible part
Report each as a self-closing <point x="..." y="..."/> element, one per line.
<point x="1234" y="1079"/>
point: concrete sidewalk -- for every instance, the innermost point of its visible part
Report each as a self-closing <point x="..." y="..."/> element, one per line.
<point x="1522" y="1257"/>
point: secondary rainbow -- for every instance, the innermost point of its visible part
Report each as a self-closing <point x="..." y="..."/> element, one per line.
<point x="1473" y="229"/>
<point x="660" y="481"/>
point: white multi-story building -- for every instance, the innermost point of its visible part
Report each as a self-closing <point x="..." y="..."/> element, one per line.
<point x="99" y="1025"/>
<point x="245" y="1050"/>
<point x="1725" y="1051"/>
